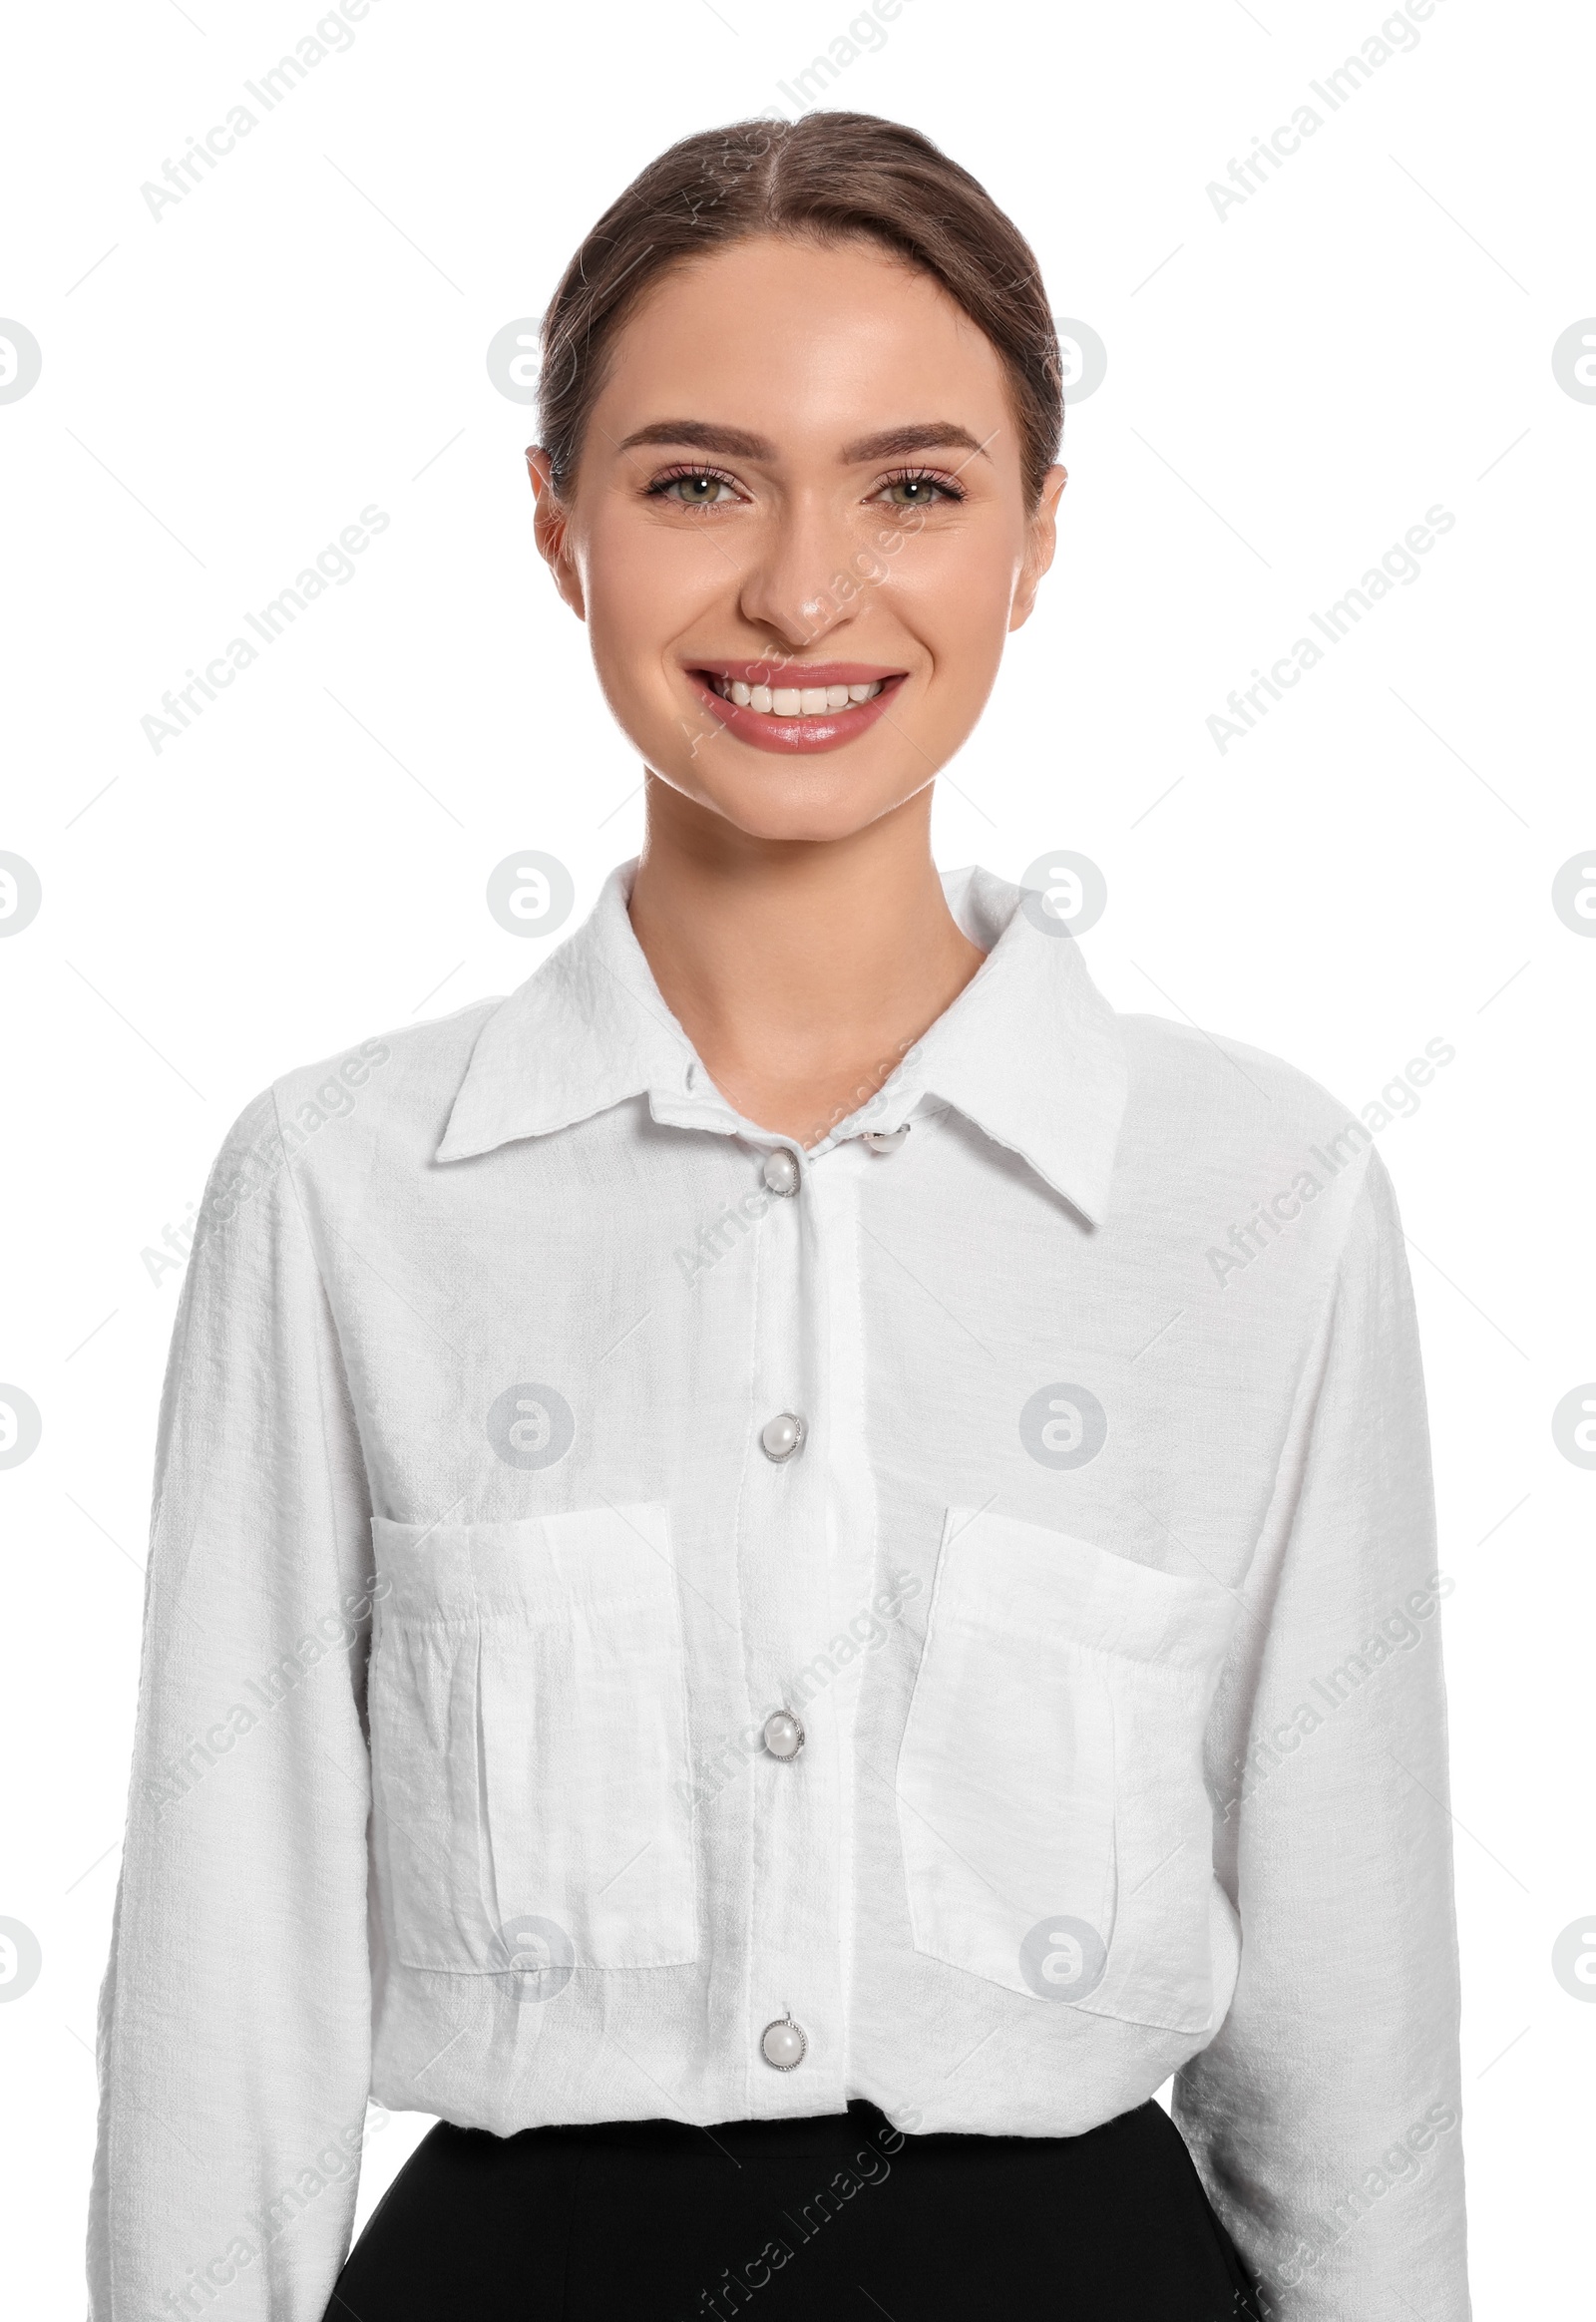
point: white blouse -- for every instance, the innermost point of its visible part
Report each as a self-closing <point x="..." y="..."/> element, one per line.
<point x="646" y="1620"/>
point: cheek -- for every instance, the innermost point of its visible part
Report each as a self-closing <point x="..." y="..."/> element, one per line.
<point x="954" y="590"/>
<point x="643" y="587"/>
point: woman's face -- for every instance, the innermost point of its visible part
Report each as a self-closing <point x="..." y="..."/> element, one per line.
<point x="798" y="532"/>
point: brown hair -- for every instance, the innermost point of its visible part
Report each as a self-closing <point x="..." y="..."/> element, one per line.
<point x="828" y="177"/>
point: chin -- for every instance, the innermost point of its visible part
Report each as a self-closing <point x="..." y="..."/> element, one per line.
<point x="797" y="813"/>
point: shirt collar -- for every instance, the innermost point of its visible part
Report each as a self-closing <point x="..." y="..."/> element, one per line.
<point x="1030" y="1051"/>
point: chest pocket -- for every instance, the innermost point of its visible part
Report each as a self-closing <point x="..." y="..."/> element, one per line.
<point x="529" y="1744"/>
<point x="1056" y="1830"/>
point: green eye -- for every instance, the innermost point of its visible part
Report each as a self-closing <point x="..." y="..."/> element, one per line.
<point x="696" y="491"/>
<point x="917" y="491"/>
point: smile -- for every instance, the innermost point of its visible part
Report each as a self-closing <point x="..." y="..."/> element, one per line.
<point x="796" y="706"/>
<point x="793" y="701"/>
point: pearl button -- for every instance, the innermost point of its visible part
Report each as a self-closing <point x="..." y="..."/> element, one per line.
<point x="886" y="1141"/>
<point x="781" y="1171"/>
<point x="784" y="1737"/>
<point x="783" y="2045"/>
<point x="781" y="1436"/>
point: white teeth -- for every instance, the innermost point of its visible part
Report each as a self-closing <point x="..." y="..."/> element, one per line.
<point x="792" y="700"/>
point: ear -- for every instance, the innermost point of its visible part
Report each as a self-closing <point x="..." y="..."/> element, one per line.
<point x="551" y="529"/>
<point x="1040" y="542"/>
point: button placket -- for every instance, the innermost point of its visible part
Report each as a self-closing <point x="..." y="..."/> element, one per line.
<point x="846" y="1544"/>
<point x="783" y="1436"/>
<point x="792" y="1804"/>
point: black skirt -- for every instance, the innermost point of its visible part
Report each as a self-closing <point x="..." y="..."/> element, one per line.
<point x="813" y="2220"/>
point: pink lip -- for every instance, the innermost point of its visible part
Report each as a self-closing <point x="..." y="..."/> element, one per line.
<point x="826" y="731"/>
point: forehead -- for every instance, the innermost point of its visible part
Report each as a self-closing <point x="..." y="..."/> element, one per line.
<point x="807" y="343"/>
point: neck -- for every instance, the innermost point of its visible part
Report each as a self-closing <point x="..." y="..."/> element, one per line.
<point x="801" y="970"/>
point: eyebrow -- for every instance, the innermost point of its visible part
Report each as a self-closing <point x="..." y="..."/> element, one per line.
<point x="919" y="436"/>
<point x="737" y="442"/>
<point x="703" y="436"/>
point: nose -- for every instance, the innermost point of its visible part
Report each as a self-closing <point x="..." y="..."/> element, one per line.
<point x="790" y="586"/>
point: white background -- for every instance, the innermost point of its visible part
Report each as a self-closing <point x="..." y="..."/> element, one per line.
<point x="1289" y="389"/>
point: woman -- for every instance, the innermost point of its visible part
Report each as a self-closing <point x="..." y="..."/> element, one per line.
<point x="877" y="1490"/>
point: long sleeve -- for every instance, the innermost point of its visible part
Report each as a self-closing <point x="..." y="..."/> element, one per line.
<point x="235" y="2014"/>
<point x="1326" y="2116"/>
